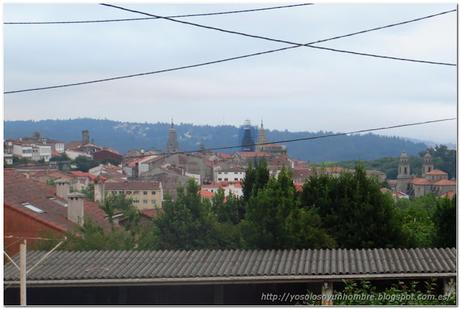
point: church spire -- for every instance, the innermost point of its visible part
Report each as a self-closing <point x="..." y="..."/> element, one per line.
<point x="261" y="138"/>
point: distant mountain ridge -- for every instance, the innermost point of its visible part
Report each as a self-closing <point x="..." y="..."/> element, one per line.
<point x="124" y="136"/>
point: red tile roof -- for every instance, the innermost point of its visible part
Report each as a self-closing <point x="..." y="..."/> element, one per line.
<point x="206" y="194"/>
<point x="73" y="145"/>
<point x="83" y="174"/>
<point x="444" y="182"/>
<point x="222" y="184"/>
<point x="420" y="181"/>
<point x="436" y="172"/>
<point x="150" y="213"/>
<point x="252" y="154"/>
<point x="298" y="187"/>
<point x="18" y="190"/>
<point x="223" y="155"/>
<point x="132" y="185"/>
<point x="450" y="194"/>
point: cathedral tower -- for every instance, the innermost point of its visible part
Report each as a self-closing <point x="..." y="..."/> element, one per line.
<point x="261" y="138"/>
<point x="247" y="143"/>
<point x="172" y="146"/>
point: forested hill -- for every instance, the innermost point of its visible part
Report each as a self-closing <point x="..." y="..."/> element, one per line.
<point x="125" y="135"/>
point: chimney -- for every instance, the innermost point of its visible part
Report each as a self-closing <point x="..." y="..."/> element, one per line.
<point x="98" y="190"/>
<point x="62" y="188"/>
<point x="75" y="208"/>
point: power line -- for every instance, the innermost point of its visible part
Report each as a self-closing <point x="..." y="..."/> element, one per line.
<point x="272" y="39"/>
<point x="307" y="138"/>
<point x="150" y="18"/>
<point x="307" y="44"/>
<point x="251" y="55"/>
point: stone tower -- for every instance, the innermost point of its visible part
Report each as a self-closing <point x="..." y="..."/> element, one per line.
<point x="84" y="137"/>
<point x="427" y="164"/>
<point x="404" y="176"/>
<point x="247" y="143"/>
<point x="172" y="146"/>
<point x="261" y="138"/>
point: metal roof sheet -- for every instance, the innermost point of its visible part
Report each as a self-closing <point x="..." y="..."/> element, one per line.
<point x="180" y="264"/>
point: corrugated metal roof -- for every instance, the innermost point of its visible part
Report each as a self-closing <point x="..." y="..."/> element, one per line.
<point x="180" y="264"/>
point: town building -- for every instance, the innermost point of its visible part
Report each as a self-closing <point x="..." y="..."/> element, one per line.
<point x="107" y="154"/>
<point x="233" y="188"/>
<point x="81" y="180"/>
<point x="83" y="146"/>
<point x="33" y="210"/>
<point x="264" y="146"/>
<point x="170" y="178"/>
<point x="8" y="158"/>
<point x="230" y="174"/>
<point x="108" y="171"/>
<point x="34" y="152"/>
<point x="144" y="194"/>
<point x="34" y="141"/>
<point x="433" y="181"/>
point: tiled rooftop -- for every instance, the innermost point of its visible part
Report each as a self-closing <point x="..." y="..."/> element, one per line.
<point x="235" y="264"/>
<point x="18" y="190"/>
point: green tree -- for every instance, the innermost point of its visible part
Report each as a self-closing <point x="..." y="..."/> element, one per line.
<point x="89" y="191"/>
<point x="227" y="210"/>
<point x="401" y="293"/>
<point x="91" y="236"/>
<point x="445" y="221"/>
<point x="274" y="219"/>
<point x="187" y="222"/>
<point x="84" y="164"/>
<point x="417" y="220"/>
<point x="256" y="178"/>
<point x="62" y="157"/>
<point x="116" y="203"/>
<point x="353" y="210"/>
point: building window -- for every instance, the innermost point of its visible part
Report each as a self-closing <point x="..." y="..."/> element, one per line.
<point x="145" y="192"/>
<point x="154" y="192"/>
<point x="146" y="201"/>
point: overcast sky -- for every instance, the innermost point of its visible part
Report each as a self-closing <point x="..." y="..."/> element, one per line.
<point x="302" y="89"/>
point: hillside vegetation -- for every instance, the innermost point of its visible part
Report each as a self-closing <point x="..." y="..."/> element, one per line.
<point x="154" y="135"/>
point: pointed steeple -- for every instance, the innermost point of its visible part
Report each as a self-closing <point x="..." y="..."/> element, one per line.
<point x="261" y="138"/>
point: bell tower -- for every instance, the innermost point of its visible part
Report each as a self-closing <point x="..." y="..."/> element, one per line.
<point x="261" y="138"/>
<point x="172" y="146"/>
<point x="427" y="164"/>
<point x="404" y="176"/>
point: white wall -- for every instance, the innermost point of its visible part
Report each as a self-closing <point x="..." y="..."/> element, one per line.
<point x="74" y="154"/>
<point x="22" y="151"/>
<point x="229" y="176"/>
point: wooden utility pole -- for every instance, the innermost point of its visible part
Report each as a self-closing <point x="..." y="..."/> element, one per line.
<point x="23" y="272"/>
